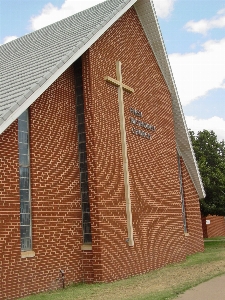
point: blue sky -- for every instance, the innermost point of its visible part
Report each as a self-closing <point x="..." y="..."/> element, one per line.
<point x="194" y="35"/>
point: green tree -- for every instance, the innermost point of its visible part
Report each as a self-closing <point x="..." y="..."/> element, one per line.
<point x="210" y="155"/>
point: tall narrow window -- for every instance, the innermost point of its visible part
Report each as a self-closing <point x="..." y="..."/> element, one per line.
<point x="182" y="194"/>
<point x="24" y="172"/>
<point x="86" y="222"/>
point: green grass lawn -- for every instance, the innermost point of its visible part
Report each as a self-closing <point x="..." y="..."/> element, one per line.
<point x="162" y="284"/>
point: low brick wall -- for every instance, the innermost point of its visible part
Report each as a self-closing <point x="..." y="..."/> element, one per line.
<point x="215" y="226"/>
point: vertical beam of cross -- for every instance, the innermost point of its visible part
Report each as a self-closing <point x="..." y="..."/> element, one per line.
<point x="122" y="87"/>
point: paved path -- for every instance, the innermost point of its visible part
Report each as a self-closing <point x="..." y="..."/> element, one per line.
<point x="213" y="289"/>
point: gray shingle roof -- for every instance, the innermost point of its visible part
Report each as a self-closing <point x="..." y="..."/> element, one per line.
<point x="30" y="64"/>
<point x="30" y="60"/>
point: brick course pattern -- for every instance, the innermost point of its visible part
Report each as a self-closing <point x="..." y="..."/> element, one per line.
<point x="55" y="190"/>
<point x="55" y="194"/>
<point x="10" y="212"/>
<point x="156" y="203"/>
<point x="194" y="242"/>
<point x="215" y="228"/>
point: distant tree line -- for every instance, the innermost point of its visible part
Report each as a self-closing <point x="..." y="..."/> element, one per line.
<point x="210" y="155"/>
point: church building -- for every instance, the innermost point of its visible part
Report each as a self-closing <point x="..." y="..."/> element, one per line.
<point x="98" y="178"/>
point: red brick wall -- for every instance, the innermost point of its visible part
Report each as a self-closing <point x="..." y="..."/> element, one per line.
<point x="156" y="205"/>
<point x="194" y="242"/>
<point x="87" y="266"/>
<point x="204" y="227"/>
<point x="56" y="207"/>
<point x="10" y="217"/>
<point x="215" y="228"/>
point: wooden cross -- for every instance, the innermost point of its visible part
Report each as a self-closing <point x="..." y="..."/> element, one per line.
<point x="118" y="82"/>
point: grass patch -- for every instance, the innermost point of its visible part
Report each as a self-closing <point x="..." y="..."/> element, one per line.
<point x="217" y="238"/>
<point x="162" y="284"/>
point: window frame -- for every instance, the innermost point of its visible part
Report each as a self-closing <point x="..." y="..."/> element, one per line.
<point x="184" y="216"/>
<point x="24" y="165"/>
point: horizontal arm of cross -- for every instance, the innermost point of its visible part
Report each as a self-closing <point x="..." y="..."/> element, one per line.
<point x="117" y="83"/>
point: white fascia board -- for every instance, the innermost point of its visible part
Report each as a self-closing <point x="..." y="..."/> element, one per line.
<point x="62" y="69"/>
<point x="148" y="19"/>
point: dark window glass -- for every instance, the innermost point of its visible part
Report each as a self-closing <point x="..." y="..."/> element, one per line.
<point x="23" y="148"/>
<point x="86" y="217"/>
<point x="87" y="238"/>
<point x="24" y="183"/>
<point x="25" y="219"/>
<point x="24" y="195"/>
<point x="80" y="109"/>
<point x="81" y="128"/>
<point x="85" y="207"/>
<point x="83" y="177"/>
<point x="84" y="197"/>
<point x="23" y="125"/>
<point x="79" y="82"/>
<point x="24" y="207"/>
<point x="24" y="170"/>
<point x="25" y="243"/>
<point x="25" y="231"/>
<point x="23" y="159"/>
<point x="82" y="147"/>
<point x="23" y="137"/>
<point x="87" y="227"/>
<point x="82" y="152"/>
<point x="79" y="90"/>
<point x="83" y="167"/>
<point x="81" y="137"/>
<point x="182" y="195"/>
<point x="83" y="157"/>
<point x="79" y="101"/>
<point x="84" y="187"/>
<point x="80" y="119"/>
<point x="24" y="116"/>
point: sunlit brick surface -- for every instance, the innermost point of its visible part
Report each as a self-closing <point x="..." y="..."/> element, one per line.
<point x="215" y="228"/>
<point x="194" y="242"/>
<point x="10" y="212"/>
<point x="156" y="203"/>
<point x="56" y="207"/>
<point x="55" y="191"/>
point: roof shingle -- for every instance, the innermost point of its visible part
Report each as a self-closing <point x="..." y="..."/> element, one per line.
<point x="26" y="61"/>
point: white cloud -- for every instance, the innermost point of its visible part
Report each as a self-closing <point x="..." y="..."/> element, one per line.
<point x="163" y="7"/>
<point x="215" y="123"/>
<point x="8" y="39"/>
<point x="198" y="73"/>
<point x="204" y="25"/>
<point x="51" y="13"/>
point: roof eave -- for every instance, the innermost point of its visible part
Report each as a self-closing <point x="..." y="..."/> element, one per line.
<point x="148" y="19"/>
<point x="58" y="70"/>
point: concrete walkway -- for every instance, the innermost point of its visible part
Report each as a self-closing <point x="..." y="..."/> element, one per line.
<point x="213" y="289"/>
